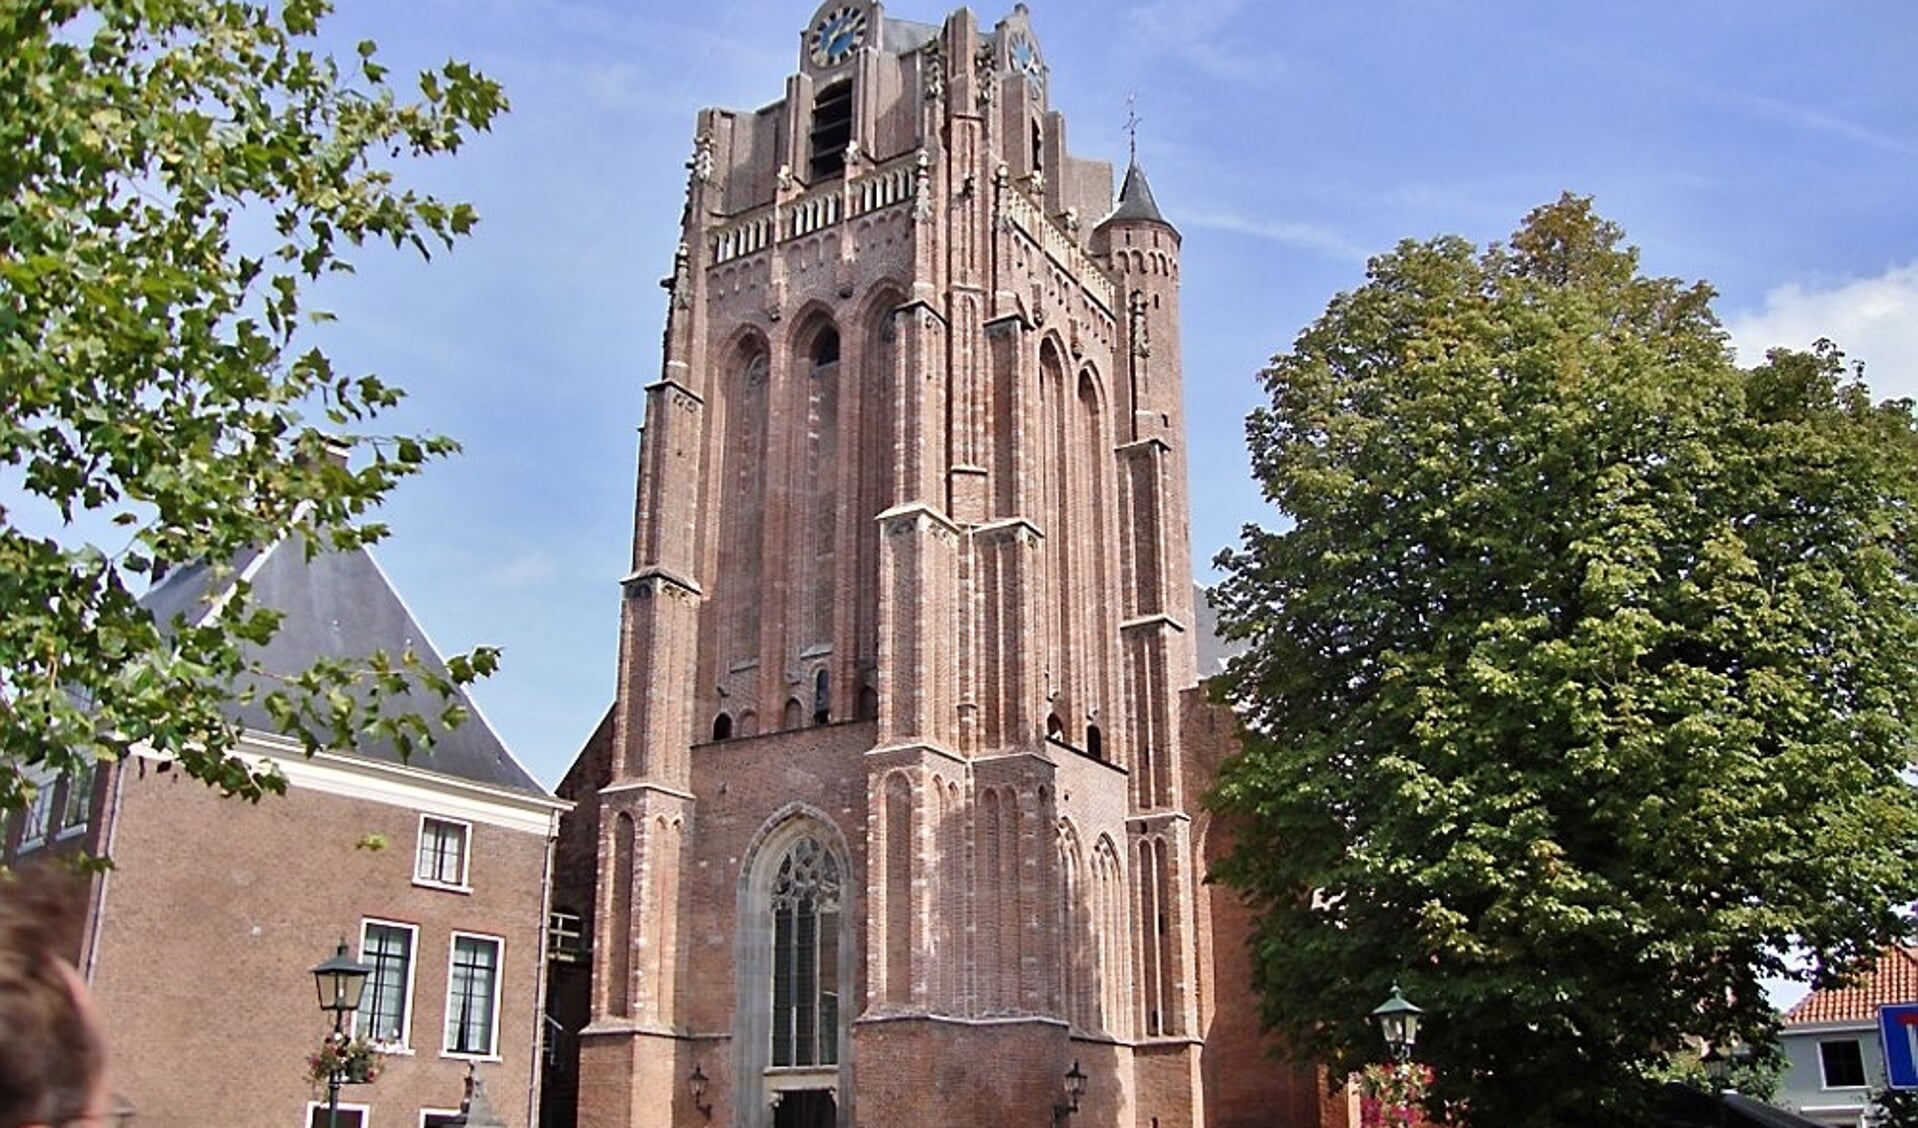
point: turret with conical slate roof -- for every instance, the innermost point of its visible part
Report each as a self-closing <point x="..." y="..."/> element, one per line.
<point x="1141" y="251"/>
<point x="1135" y="200"/>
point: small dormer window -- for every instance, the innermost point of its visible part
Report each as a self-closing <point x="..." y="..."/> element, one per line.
<point x="831" y="129"/>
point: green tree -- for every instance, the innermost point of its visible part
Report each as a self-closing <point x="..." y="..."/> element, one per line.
<point x="1894" y="1108"/>
<point x="1578" y="689"/>
<point x="177" y="173"/>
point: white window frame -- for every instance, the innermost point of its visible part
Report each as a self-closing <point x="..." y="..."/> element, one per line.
<point x="1825" y="1083"/>
<point x="444" y="1113"/>
<point x="78" y="782"/>
<point x="420" y="878"/>
<point x="39" y="815"/>
<point x="499" y="989"/>
<point x="318" y="1108"/>
<point x="566" y="936"/>
<point x="405" y="1043"/>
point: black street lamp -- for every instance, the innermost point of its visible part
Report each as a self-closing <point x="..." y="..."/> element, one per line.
<point x="341" y="981"/>
<point x="1075" y="1088"/>
<point x="1719" y="1063"/>
<point x="1399" y="1021"/>
<point x="697" y="1083"/>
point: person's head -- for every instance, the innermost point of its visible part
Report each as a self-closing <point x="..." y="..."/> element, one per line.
<point x="52" y="1053"/>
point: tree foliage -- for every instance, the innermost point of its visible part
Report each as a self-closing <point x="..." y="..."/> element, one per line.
<point x="1579" y="688"/>
<point x="178" y="174"/>
<point x="1894" y="1108"/>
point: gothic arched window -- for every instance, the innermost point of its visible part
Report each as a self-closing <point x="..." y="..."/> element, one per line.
<point x="805" y="1010"/>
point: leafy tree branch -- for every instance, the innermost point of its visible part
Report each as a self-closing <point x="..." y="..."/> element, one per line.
<point x="178" y="173"/>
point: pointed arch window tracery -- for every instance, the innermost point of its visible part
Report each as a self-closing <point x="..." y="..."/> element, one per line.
<point x="805" y="980"/>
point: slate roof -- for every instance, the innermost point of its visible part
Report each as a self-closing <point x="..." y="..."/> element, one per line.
<point x="1214" y="650"/>
<point x="1135" y="200"/>
<point x="903" y="37"/>
<point x="1892" y="979"/>
<point x="340" y="605"/>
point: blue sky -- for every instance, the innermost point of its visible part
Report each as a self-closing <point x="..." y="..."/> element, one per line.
<point x="1769" y="147"/>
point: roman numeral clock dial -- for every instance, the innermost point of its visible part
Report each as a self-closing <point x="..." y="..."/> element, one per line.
<point x="837" y="35"/>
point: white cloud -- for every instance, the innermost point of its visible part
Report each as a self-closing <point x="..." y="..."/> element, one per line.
<point x="1818" y="121"/>
<point x="1305" y="236"/>
<point x="1207" y="36"/>
<point x="1875" y="320"/>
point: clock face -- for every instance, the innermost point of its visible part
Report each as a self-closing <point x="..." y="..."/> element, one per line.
<point x="837" y="35"/>
<point x="1024" y="57"/>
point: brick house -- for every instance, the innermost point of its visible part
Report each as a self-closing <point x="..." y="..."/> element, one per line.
<point x="1834" y="1055"/>
<point x="895" y="820"/>
<point x="200" y="938"/>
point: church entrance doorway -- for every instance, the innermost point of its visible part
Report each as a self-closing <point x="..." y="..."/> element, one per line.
<point x="805" y="1108"/>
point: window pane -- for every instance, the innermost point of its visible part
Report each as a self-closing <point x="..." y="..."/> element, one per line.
<point x="470" y="995"/>
<point x="783" y="955"/>
<point x="388" y="949"/>
<point x="442" y="857"/>
<point x="828" y="989"/>
<point x="39" y="814"/>
<point x="1844" y="1064"/>
<point x="805" y="1003"/>
<point x="806" y="984"/>
<point x="79" y="806"/>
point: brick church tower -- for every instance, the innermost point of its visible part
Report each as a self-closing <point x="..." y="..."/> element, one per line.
<point x="890" y="824"/>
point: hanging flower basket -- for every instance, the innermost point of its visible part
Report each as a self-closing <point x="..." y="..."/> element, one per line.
<point x="354" y="1059"/>
<point x="1390" y="1096"/>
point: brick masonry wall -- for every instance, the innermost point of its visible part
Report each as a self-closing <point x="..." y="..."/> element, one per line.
<point x="216" y="910"/>
<point x="1249" y="1081"/>
<point x="928" y="1071"/>
<point x="575" y="876"/>
<point x="743" y="786"/>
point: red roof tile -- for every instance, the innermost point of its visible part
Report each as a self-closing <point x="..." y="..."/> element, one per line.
<point x="1892" y="979"/>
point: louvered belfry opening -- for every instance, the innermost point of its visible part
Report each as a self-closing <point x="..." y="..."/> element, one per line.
<point x="831" y="130"/>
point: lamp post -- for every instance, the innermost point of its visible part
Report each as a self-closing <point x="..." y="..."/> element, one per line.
<point x="1718" y="1065"/>
<point x="1717" y="1068"/>
<point x="341" y="981"/>
<point x="1399" y="1021"/>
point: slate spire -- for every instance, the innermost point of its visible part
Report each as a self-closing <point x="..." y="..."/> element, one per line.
<point x="1135" y="200"/>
